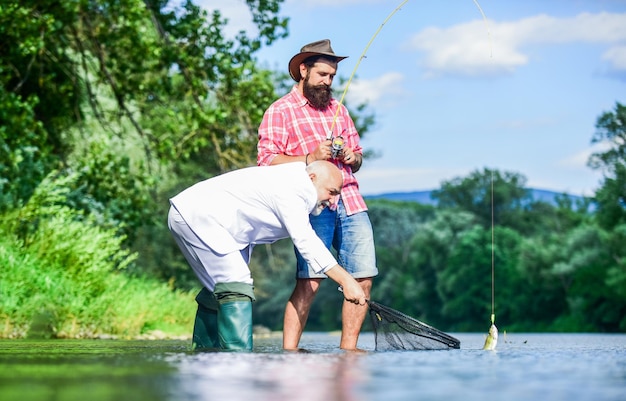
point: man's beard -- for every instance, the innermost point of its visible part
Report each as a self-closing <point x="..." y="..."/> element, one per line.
<point x="320" y="207"/>
<point x="318" y="96"/>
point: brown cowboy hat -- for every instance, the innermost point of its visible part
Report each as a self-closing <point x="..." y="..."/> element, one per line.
<point x="319" y="48"/>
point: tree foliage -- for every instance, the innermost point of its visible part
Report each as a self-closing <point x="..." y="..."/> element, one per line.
<point x="611" y="197"/>
<point x="161" y="80"/>
<point x="508" y="199"/>
<point x="611" y="204"/>
<point x="136" y="99"/>
<point x="611" y="131"/>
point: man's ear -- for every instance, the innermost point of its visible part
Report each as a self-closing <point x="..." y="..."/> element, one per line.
<point x="312" y="176"/>
<point x="303" y="71"/>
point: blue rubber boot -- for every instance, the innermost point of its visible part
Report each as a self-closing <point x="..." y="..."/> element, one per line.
<point x="205" y="326"/>
<point x="234" y="316"/>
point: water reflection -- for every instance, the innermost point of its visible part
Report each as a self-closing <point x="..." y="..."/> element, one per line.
<point x="531" y="366"/>
<point x="275" y="377"/>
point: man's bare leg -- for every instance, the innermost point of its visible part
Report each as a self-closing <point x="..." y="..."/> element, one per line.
<point x="352" y="317"/>
<point x="297" y="311"/>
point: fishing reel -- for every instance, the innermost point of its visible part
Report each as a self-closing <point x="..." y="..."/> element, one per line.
<point x="336" y="148"/>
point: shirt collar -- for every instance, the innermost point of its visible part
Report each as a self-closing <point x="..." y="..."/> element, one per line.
<point x="300" y="100"/>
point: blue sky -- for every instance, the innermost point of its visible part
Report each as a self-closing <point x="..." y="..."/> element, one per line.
<point x="453" y="93"/>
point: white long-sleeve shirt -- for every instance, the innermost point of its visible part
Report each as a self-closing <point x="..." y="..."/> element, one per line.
<point x="255" y="205"/>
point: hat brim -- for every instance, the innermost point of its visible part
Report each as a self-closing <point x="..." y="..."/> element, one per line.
<point x="294" y="63"/>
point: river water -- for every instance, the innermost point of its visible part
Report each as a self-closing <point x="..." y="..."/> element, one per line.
<point x="572" y="367"/>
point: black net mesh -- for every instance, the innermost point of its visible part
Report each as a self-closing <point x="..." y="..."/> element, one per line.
<point x="396" y="331"/>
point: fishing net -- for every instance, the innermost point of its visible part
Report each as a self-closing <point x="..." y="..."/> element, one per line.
<point x="396" y="331"/>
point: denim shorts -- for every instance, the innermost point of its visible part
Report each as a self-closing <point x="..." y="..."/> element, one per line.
<point x="350" y="236"/>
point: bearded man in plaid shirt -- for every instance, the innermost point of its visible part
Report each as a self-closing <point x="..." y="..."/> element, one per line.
<point x="297" y="127"/>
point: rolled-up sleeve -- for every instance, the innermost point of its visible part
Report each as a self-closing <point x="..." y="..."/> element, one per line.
<point x="272" y="136"/>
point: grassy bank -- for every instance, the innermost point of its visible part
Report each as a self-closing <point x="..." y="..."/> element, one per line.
<point x="39" y="299"/>
<point x="63" y="276"/>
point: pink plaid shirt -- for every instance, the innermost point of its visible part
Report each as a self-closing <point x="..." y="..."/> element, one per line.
<point x="292" y="127"/>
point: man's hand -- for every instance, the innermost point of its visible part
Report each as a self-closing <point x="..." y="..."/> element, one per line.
<point x="352" y="159"/>
<point x="323" y="150"/>
<point x="348" y="156"/>
<point x="354" y="293"/>
<point x="351" y="289"/>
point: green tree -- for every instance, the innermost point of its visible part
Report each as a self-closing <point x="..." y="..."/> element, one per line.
<point x="465" y="286"/>
<point x="395" y="223"/>
<point x="135" y="98"/>
<point x="409" y="272"/>
<point x="544" y="298"/>
<point x="164" y="79"/>
<point x="611" y="130"/>
<point x="616" y="274"/>
<point x="485" y="192"/>
<point x="30" y="121"/>
<point x="611" y="208"/>
<point x="611" y="197"/>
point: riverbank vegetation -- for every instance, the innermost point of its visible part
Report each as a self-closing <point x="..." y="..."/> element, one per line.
<point x="107" y="109"/>
<point x="63" y="277"/>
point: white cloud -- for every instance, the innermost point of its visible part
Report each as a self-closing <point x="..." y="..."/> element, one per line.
<point x="479" y="48"/>
<point x="464" y="49"/>
<point x="616" y="56"/>
<point x="379" y="92"/>
<point x="579" y="160"/>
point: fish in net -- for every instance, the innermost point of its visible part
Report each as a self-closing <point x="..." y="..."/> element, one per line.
<point x="396" y="331"/>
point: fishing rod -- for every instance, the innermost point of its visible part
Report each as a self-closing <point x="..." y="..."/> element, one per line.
<point x="356" y="67"/>
<point x="337" y="144"/>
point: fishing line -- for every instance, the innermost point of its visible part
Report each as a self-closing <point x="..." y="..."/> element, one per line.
<point x="493" y="275"/>
<point x="492" y="338"/>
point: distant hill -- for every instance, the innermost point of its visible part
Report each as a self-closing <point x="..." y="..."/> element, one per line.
<point x="416" y="196"/>
<point x="424" y="197"/>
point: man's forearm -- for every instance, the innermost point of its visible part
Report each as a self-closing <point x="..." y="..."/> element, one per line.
<point x="281" y="159"/>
